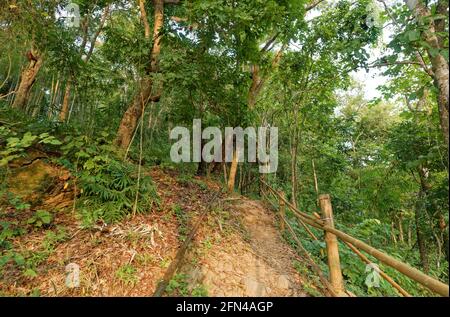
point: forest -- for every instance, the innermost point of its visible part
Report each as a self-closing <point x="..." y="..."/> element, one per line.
<point x="91" y="90"/>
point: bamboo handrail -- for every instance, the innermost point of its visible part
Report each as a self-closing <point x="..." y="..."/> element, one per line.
<point x="311" y="234"/>
<point x="310" y="260"/>
<point x="413" y="273"/>
<point x="383" y="274"/>
<point x="292" y="207"/>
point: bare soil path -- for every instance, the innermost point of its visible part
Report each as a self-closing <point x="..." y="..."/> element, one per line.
<point x="251" y="259"/>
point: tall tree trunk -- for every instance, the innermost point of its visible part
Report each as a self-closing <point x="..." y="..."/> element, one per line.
<point x="400" y="229"/>
<point x="27" y="80"/>
<point x="240" y="178"/>
<point x="410" y="233"/>
<point x="423" y="253"/>
<point x="393" y="236"/>
<point x="255" y="87"/>
<point x="233" y="169"/>
<point x="144" y="95"/>
<point x="443" y="115"/>
<point x="202" y="169"/>
<point x="439" y="65"/>
<point x="202" y="165"/>
<point x="144" y="19"/>
<point x="294" y="173"/>
<point x="446" y="245"/>
<point x="444" y="232"/>
<point x="258" y="81"/>
<point x="63" y="114"/>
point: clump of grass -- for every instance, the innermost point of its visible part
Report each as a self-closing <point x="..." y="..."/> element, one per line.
<point x="127" y="274"/>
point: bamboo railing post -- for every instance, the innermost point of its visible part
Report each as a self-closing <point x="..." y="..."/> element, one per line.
<point x="334" y="264"/>
<point x="282" y="211"/>
<point x="414" y="274"/>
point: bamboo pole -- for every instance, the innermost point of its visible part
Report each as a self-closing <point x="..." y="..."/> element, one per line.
<point x="282" y="208"/>
<point x="334" y="263"/>
<point x="313" y="264"/>
<point x="286" y="202"/>
<point x="416" y="275"/>
<point x="413" y="273"/>
<point x="383" y="274"/>
<point x="294" y="209"/>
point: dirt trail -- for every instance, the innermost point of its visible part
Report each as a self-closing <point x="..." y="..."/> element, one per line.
<point x="252" y="261"/>
<point x="238" y="251"/>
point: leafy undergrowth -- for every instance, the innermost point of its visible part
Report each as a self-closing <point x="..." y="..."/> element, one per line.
<point x="123" y="258"/>
<point x="71" y="198"/>
<point x="107" y="186"/>
<point x="358" y="277"/>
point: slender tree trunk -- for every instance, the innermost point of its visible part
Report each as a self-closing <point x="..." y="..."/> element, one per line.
<point x="240" y="179"/>
<point x="294" y="174"/>
<point x="97" y="33"/>
<point x="393" y="236"/>
<point x="294" y="155"/>
<point x="419" y="215"/>
<point x="255" y="87"/>
<point x="420" y="238"/>
<point x="144" y="95"/>
<point x="400" y="229"/>
<point x="446" y="246"/>
<point x="27" y="80"/>
<point x="202" y="165"/>
<point x="439" y="65"/>
<point x="258" y="83"/>
<point x="444" y="232"/>
<point x="409" y="234"/>
<point x="144" y="18"/>
<point x="225" y="174"/>
<point x="443" y="117"/>
<point x="316" y="183"/>
<point x="63" y="114"/>
<point x="233" y="170"/>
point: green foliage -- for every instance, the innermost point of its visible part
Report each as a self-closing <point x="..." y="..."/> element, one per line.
<point x="382" y="161"/>
<point x="127" y="274"/>
<point x="183" y="221"/>
<point x="179" y="286"/>
<point x="108" y="185"/>
<point x="9" y="230"/>
<point x="40" y="218"/>
<point x="29" y="261"/>
<point x="16" y="146"/>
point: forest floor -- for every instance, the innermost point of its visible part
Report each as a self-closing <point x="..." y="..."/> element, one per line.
<point x="237" y="251"/>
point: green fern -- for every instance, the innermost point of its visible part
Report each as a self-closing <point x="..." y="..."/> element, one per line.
<point x="109" y="185"/>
